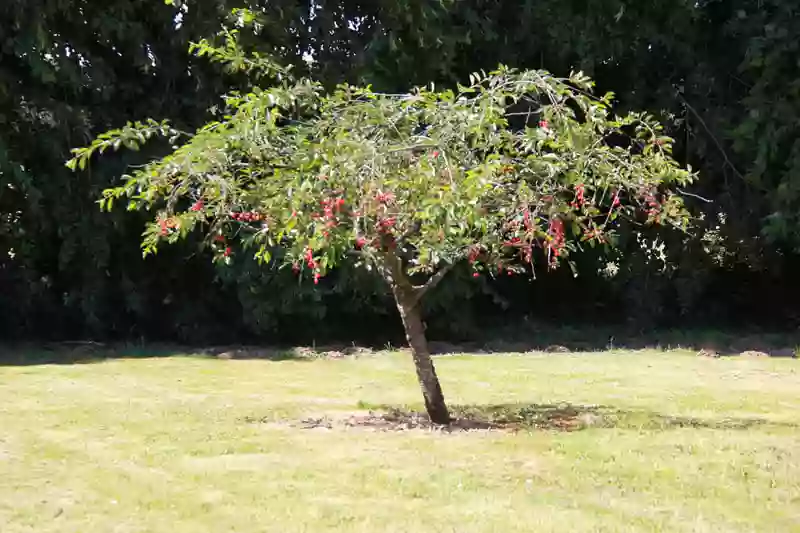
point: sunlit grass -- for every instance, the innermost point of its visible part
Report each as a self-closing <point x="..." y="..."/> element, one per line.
<point x="661" y="442"/>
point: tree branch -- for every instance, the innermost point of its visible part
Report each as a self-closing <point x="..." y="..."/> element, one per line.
<point x="433" y="281"/>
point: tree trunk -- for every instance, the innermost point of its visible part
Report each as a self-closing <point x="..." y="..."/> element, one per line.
<point x="426" y="373"/>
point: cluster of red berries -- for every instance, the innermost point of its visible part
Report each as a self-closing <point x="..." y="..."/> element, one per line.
<point x="329" y="205"/>
<point x="472" y="256"/>
<point x="384" y="197"/>
<point x="385" y="224"/>
<point x="312" y="264"/>
<point x="197" y="206"/>
<point x="526" y="219"/>
<point x="501" y="268"/>
<point x="247" y="216"/>
<point x="579" y="197"/>
<point x="544" y="124"/>
<point x="595" y="233"/>
<point x="653" y="207"/>
<point x="556" y="232"/>
<point x="167" y="224"/>
<point x="330" y="209"/>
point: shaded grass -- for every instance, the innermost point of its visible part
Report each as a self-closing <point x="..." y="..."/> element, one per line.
<point x="667" y="442"/>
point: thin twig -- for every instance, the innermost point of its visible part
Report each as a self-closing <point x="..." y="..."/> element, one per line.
<point x="684" y="193"/>
<point x="713" y="137"/>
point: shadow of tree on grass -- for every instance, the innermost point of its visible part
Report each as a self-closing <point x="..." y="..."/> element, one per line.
<point x="75" y="353"/>
<point x="532" y="416"/>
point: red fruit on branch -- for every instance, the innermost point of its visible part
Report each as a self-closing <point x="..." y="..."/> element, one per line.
<point x="579" y="196"/>
<point x="198" y="205"/>
<point x="384" y="197"/>
<point x="360" y="243"/>
<point x="544" y="124"/>
<point x="228" y="251"/>
<point x="476" y="275"/>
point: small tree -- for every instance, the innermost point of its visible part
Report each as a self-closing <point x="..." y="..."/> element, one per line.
<point x="518" y="168"/>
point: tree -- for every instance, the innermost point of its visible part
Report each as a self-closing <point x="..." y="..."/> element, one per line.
<point x="517" y="169"/>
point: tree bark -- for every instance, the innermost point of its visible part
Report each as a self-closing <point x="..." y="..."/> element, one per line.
<point x="408" y="305"/>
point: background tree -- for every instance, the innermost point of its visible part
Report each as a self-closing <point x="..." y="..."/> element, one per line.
<point x="513" y="168"/>
<point x="715" y="73"/>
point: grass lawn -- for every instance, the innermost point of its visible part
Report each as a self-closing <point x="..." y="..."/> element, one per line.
<point x="669" y="442"/>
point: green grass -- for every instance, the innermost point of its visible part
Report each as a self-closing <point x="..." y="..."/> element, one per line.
<point x="666" y="442"/>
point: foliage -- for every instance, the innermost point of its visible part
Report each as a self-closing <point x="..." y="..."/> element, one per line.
<point x="432" y="177"/>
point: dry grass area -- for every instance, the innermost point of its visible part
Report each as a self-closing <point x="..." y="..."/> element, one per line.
<point x="613" y="441"/>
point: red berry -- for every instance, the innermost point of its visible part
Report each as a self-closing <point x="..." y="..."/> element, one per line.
<point x="544" y="124"/>
<point x="435" y="153"/>
<point x="227" y="251"/>
<point x="475" y="275"/>
<point x="198" y="205"/>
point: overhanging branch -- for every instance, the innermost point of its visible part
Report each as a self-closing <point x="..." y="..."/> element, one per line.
<point x="433" y="281"/>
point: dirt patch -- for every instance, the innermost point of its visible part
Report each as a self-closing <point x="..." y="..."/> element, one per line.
<point x="494" y="418"/>
<point x="398" y="421"/>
